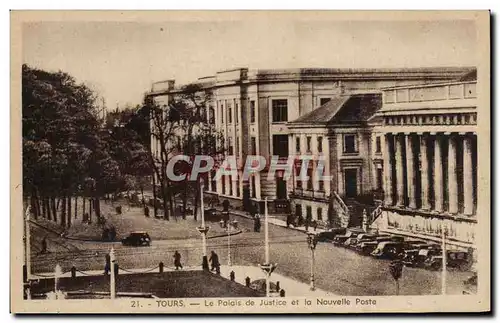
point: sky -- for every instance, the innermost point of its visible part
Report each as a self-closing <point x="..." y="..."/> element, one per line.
<point x="120" y="60"/>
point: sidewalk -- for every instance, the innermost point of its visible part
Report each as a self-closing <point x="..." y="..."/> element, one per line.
<point x="291" y="286"/>
<point x="274" y="221"/>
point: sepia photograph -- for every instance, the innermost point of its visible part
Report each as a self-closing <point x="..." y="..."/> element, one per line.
<point x="250" y="162"/>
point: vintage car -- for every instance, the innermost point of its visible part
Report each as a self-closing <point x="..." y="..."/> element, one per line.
<point x="454" y="259"/>
<point x="415" y="255"/>
<point x="367" y="247"/>
<point x="211" y="215"/>
<point x="389" y="250"/>
<point x="137" y="238"/>
<point x="329" y="236"/>
<point x="353" y="241"/>
<point x="350" y="233"/>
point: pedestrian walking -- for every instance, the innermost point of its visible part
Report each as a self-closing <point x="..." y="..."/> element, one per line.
<point x="214" y="259"/>
<point x="107" y="266"/>
<point x="289" y="220"/>
<point x="177" y="260"/>
<point x="256" y="223"/>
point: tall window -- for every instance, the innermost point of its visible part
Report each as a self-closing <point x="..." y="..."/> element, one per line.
<point x="221" y="113"/>
<point x="378" y="145"/>
<point x="230" y="112"/>
<point x="230" y="146"/>
<point x="211" y="115"/>
<point x="320" y="144"/>
<point x="223" y="180"/>
<point x="319" y="214"/>
<point x="308" y="143"/>
<point x="280" y="145"/>
<point x="310" y="179"/>
<point x="321" y="185"/>
<point x="280" y="110"/>
<point x="236" y="111"/>
<point x="254" y="145"/>
<point x="254" y="194"/>
<point x="298" y="210"/>
<point x="299" y="181"/>
<point x="350" y="144"/>
<point x="230" y="185"/>
<point x="379" y="178"/>
<point x="309" y="213"/>
<point x="237" y="145"/>
<point x="297" y="144"/>
<point x="252" y="111"/>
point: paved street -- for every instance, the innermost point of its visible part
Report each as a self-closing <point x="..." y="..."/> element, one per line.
<point x="338" y="270"/>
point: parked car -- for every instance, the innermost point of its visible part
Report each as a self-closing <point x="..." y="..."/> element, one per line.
<point x="137" y="238"/>
<point x="389" y="250"/>
<point x="367" y="247"/>
<point x="212" y="215"/>
<point x="454" y="259"/>
<point x="328" y="236"/>
<point x="353" y="241"/>
<point x="350" y="233"/>
<point x="415" y="255"/>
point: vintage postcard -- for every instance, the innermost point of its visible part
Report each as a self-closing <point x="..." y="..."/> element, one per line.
<point x="250" y="162"/>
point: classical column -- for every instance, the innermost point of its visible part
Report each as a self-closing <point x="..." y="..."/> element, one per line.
<point x="468" y="174"/>
<point x="438" y="175"/>
<point x="410" y="172"/>
<point x="388" y="170"/>
<point x="424" y="173"/>
<point x="326" y="155"/>
<point x="452" y="176"/>
<point x="400" y="171"/>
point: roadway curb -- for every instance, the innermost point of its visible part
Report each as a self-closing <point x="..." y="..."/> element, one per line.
<point x="225" y="235"/>
<point x="249" y="217"/>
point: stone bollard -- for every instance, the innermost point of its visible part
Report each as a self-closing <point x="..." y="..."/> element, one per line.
<point x="73" y="272"/>
<point x="278" y="286"/>
<point x="116" y="269"/>
<point x="231" y="275"/>
<point x="247" y="281"/>
<point x="161" y="267"/>
<point x="282" y="293"/>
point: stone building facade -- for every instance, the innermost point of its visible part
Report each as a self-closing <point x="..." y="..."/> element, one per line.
<point x="259" y="113"/>
<point x="429" y="139"/>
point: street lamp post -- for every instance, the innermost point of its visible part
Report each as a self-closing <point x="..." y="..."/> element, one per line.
<point x="203" y="230"/>
<point x="112" y="283"/>
<point x="312" y="241"/>
<point x="229" y="226"/>
<point x="267" y="267"/>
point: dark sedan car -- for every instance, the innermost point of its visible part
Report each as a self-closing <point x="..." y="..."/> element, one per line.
<point x="328" y="236"/>
<point x="137" y="238"/>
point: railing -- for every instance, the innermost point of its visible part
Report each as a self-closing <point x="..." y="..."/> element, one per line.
<point x="376" y="213"/>
<point x="341" y="202"/>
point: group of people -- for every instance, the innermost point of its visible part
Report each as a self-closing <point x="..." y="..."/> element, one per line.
<point x="214" y="260"/>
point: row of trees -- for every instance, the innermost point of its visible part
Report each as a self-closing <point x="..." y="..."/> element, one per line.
<point x="70" y="151"/>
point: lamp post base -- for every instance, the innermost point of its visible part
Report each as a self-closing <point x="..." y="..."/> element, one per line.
<point x="204" y="264"/>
